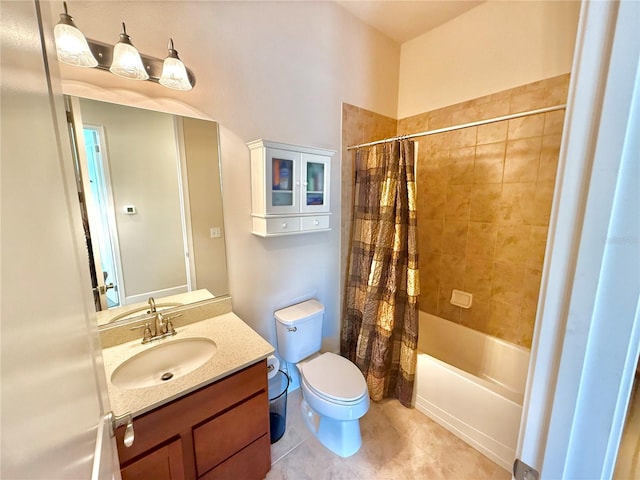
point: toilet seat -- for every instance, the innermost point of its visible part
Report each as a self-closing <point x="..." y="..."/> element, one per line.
<point x="334" y="378"/>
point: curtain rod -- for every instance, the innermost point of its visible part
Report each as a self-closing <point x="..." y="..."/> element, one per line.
<point x="464" y="125"/>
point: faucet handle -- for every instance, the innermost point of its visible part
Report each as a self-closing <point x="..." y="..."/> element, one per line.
<point x="169" y="324"/>
<point x="146" y="336"/>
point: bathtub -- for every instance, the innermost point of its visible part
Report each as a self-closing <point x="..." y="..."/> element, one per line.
<point x="472" y="384"/>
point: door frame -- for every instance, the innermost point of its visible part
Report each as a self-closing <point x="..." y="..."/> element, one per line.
<point x="582" y="364"/>
<point x="109" y="205"/>
<point x="82" y="176"/>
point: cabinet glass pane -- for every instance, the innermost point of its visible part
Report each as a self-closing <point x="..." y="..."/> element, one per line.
<point x="282" y="182"/>
<point x="315" y="183"/>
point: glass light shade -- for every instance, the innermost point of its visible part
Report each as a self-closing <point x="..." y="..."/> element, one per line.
<point x="127" y="62"/>
<point x="72" y="47"/>
<point x="174" y="75"/>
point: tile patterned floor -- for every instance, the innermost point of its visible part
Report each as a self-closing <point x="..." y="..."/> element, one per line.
<point x="397" y="443"/>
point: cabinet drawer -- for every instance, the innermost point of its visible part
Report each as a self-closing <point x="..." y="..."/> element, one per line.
<point x="220" y="438"/>
<point x="283" y="225"/>
<point x="318" y="222"/>
<point x="251" y="463"/>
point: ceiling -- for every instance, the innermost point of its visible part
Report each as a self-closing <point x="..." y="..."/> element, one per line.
<point x="403" y="20"/>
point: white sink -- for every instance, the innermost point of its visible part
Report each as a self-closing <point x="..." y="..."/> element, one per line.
<point x="164" y="362"/>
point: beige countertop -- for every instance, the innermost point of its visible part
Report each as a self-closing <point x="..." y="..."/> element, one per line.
<point x="238" y="346"/>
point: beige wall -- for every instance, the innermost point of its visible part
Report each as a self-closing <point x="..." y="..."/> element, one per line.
<point x="142" y="161"/>
<point x="358" y="126"/>
<point x="493" y="47"/>
<point x="484" y="199"/>
<point x="205" y="200"/>
<point x="274" y="70"/>
<point x="484" y="193"/>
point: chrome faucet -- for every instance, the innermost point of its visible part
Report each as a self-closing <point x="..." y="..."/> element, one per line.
<point x="162" y="324"/>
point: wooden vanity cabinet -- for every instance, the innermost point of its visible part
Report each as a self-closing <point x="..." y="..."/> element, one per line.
<point x="220" y="431"/>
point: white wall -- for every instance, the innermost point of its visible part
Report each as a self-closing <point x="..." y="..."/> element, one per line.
<point x="273" y="70"/>
<point x="493" y="47"/>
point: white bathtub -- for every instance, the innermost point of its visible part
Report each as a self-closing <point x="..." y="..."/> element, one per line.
<point x="472" y="384"/>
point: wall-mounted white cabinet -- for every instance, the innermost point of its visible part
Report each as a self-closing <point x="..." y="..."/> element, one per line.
<point x="289" y="188"/>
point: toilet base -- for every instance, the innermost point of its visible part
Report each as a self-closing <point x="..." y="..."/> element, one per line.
<point x="342" y="437"/>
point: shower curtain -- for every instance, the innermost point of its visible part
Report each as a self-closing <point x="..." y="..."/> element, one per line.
<point x="380" y="324"/>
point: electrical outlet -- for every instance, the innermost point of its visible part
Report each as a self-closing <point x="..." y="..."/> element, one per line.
<point x="214" y="232"/>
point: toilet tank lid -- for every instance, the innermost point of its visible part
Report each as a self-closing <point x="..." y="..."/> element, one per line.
<point x="299" y="311"/>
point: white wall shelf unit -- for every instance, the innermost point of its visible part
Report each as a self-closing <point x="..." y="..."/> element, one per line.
<point x="289" y="188"/>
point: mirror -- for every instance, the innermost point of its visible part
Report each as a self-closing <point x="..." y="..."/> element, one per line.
<point x="151" y="199"/>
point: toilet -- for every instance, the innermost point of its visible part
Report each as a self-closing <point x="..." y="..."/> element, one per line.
<point x="334" y="391"/>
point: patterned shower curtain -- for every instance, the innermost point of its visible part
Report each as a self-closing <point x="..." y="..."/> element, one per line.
<point x="380" y="324"/>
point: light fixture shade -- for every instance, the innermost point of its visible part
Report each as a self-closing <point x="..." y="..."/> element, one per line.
<point x="126" y="59"/>
<point x="71" y="45"/>
<point x="174" y="73"/>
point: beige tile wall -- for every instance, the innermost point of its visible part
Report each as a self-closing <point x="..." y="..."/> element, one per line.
<point x="358" y="126"/>
<point x="484" y="199"/>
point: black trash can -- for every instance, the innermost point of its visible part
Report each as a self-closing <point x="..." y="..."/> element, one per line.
<point x="278" y="404"/>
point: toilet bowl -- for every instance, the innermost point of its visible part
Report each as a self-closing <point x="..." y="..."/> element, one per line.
<point x="335" y="397"/>
<point x="334" y="391"/>
<point x="334" y="386"/>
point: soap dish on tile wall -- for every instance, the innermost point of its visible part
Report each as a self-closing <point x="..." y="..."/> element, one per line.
<point x="461" y="299"/>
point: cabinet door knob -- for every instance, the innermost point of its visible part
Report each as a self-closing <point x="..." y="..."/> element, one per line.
<point x="316" y="222"/>
<point x="284" y="224"/>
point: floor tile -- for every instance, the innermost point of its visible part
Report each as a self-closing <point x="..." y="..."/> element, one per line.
<point x="397" y="443"/>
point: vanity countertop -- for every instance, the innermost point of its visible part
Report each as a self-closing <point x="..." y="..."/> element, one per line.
<point x="238" y="346"/>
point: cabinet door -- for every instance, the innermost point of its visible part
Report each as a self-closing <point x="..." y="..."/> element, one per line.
<point x="315" y="183"/>
<point x="165" y="463"/>
<point x="282" y="175"/>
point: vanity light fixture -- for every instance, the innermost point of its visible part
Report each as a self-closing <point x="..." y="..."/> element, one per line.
<point x="123" y="59"/>
<point x="174" y="73"/>
<point x="126" y="59"/>
<point x="71" y="45"/>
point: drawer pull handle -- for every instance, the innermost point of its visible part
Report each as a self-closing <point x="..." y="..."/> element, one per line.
<point x="284" y="224"/>
<point x="316" y="222"/>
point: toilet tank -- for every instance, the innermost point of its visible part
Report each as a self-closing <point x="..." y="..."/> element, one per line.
<point x="299" y="330"/>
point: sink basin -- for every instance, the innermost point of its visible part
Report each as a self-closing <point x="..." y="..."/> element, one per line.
<point x="164" y="362"/>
